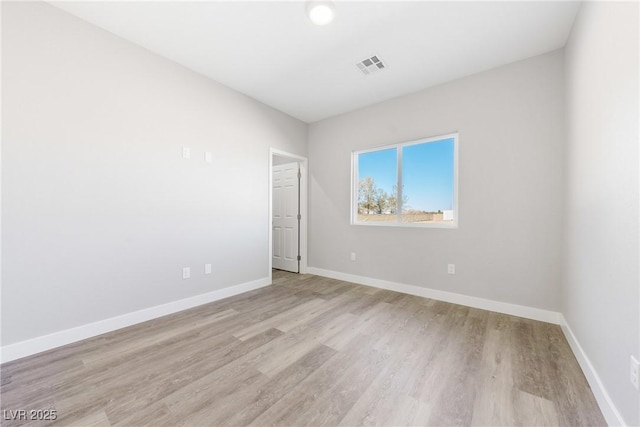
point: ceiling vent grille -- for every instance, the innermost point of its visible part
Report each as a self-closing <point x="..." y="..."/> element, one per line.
<point x="371" y="65"/>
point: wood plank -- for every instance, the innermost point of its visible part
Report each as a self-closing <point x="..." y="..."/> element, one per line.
<point x="311" y="351"/>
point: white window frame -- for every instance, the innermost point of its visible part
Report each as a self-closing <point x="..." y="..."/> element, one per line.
<point x="398" y="147"/>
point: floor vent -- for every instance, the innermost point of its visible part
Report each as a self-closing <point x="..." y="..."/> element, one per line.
<point x="371" y="65"/>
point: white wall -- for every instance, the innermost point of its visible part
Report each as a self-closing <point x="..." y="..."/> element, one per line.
<point x="99" y="211"/>
<point x="511" y="136"/>
<point x="601" y="291"/>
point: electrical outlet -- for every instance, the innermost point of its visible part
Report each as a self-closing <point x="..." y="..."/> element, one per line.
<point x="353" y="256"/>
<point x="207" y="269"/>
<point x="208" y="157"/>
<point x="186" y="153"/>
<point x="186" y="272"/>
<point x="451" y="268"/>
<point x="635" y="367"/>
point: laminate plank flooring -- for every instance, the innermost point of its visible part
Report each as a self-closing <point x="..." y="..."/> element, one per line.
<point x="310" y="351"/>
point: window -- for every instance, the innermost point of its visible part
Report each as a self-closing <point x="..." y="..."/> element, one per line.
<point x="408" y="184"/>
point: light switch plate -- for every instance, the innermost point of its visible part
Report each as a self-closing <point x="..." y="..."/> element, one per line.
<point x="635" y="368"/>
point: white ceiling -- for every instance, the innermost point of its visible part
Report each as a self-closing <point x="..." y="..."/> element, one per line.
<point x="271" y="51"/>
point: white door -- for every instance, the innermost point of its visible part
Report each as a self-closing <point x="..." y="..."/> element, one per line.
<point x="286" y="186"/>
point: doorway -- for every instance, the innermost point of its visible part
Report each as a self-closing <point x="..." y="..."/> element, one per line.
<point x="287" y="212"/>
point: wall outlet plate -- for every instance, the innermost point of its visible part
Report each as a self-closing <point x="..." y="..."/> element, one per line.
<point x="451" y="268"/>
<point x="186" y="153"/>
<point x="353" y="256"/>
<point x="186" y="272"/>
<point x="207" y="269"/>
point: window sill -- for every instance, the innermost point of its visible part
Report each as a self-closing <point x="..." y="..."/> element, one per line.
<point x="453" y="225"/>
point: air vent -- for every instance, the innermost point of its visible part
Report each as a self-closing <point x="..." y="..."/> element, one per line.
<point x="371" y="65"/>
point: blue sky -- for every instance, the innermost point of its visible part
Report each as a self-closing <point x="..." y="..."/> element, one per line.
<point x="427" y="173"/>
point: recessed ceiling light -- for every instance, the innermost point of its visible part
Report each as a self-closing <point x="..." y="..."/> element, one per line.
<point x="321" y="12"/>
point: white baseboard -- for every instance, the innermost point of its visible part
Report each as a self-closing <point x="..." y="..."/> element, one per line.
<point x="46" y="342"/>
<point x="68" y="336"/>
<point x="485" y="304"/>
<point x="611" y="414"/>
<point x="609" y="410"/>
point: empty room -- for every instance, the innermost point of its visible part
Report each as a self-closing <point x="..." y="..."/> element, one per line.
<point x="320" y="213"/>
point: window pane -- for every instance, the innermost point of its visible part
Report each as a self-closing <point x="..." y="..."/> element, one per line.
<point x="377" y="178"/>
<point x="427" y="180"/>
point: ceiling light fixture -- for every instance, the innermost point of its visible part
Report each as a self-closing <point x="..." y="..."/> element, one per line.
<point x="321" y="12"/>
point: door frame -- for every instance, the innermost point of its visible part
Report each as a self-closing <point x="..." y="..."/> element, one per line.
<point x="304" y="188"/>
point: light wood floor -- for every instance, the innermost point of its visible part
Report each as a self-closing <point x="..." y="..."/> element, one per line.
<point x="312" y="351"/>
